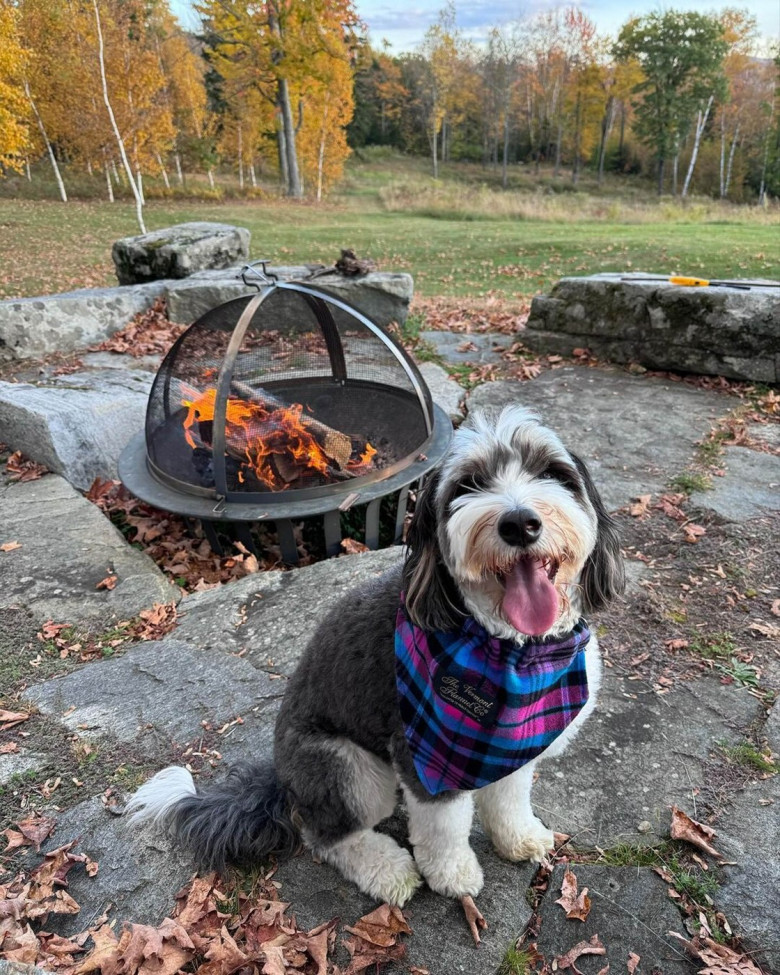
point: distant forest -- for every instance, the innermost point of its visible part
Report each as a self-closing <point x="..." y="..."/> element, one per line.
<point x="284" y="90"/>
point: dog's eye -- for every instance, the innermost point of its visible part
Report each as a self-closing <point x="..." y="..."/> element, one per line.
<point x="469" y="485"/>
<point x="563" y="474"/>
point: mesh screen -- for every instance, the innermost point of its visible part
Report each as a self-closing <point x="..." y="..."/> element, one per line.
<point x="314" y="397"/>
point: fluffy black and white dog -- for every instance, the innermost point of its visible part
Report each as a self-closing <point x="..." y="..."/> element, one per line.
<point x="509" y="534"/>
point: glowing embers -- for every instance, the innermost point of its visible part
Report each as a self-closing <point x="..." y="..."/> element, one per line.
<point x="271" y="445"/>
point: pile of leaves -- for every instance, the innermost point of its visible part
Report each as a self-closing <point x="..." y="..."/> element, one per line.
<point x="215" y="928"/>
<point x="186" y="557"/>
<point x="21" y="468"/>
<point x="150" y="333"/>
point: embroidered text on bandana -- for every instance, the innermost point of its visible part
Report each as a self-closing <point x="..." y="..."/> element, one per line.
<point x="476" y="708"/>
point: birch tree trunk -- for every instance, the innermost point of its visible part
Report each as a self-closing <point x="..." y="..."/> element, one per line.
<point x="240" y="158"/>
<point x="211" y="177"/>
<point x="722" y="165"/>
<point x="44" y="136"/>
<point x="505" y="159"/>
<point x="27" y="169"/>
<point x="252" y="177"/>
<point x="161" y="164"/>
<point x="139" y="203"/>
<point x="294" y="185"/>
<point x="701" y="121"/>
<point x="734" y="143"/>
<point x="109" y="184"/>
<point x="321" y="153"/>
<point x="179" y="173"/>
<point x="606" y="128"/>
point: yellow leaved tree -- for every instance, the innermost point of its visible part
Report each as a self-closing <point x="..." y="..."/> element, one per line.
<point x="14" y="109"/>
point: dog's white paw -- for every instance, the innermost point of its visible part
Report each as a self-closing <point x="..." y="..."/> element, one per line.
<point x="529" y="840"/>
<point x="455" y="875"/>
<point x="394" y="881"/>
<point x="377" y="864"/>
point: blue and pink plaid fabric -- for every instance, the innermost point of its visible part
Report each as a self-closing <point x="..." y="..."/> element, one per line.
<point x="476" y="708"/>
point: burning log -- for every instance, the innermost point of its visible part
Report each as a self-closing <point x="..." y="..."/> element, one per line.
<point x="337" y="445"/>
<point x="275" y="443"/>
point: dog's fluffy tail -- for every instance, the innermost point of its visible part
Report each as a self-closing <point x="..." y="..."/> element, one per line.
<point x="239" y="820"/>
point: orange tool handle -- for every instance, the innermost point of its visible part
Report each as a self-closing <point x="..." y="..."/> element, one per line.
<point x="690" y="282"/>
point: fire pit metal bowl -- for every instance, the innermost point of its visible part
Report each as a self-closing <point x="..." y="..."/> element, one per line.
<point x="280" y="405"/>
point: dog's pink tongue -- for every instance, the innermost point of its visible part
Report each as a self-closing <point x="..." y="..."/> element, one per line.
<point x="530" y="601"/>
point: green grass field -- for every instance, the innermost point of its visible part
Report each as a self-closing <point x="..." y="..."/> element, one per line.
<point x="459" y="236"/>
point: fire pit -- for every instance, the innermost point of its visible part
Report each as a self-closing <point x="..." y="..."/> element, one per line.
<point x="284" y="404"/>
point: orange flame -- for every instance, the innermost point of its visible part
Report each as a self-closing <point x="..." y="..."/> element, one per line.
<point x="259" y="434"/>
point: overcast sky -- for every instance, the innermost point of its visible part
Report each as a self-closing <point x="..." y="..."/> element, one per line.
<point x="403" y="24"/>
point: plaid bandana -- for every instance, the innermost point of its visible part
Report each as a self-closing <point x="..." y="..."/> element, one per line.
<point x="476" y="708"/>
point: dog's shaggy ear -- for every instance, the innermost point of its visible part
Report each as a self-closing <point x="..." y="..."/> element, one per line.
<point x="603" y="576"/>
<point x="432" y="600"/>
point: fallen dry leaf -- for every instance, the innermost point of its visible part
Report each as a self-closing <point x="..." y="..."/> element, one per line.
<point x="718" y="959"/>
<point x="765" y="629"/>
<point x="8" y="747"/>
<point x="693" y="532"/>
<point x="375" y="940"/>
<point x="632" y="963"/>
<point x="381" y="927"/>
<point x="10" y="718"/>
<point x="474" y="918"/>
<point x="108" y="583"/>
<point x="640" y="506"/>
<point x="10" y="546"/>
<point x="577" y="906"/>
<point x="36" y="828"/>
<point x="592" y="947"/>
<point x="685" y="828"/>
<point x="350" y="547"/>
<point x="21" y="468"/>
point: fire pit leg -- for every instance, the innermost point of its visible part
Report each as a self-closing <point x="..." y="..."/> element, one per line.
<point x="332" y="526"/>
<point x="211" y="534"/>
<point x="372" y="523"/>
<point x="284" y="530"/>
<point x="245" y="536"/>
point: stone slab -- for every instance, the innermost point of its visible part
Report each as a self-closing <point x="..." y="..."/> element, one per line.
<point x="446" y="392"/>
<point x="441" y="941"/>
<point x="630" y="912"/>
<point x="76" y="425"/>
<point x="270" y="617"/>
<point x="178" y="251"/>
<point x="634" y="433"/>
<point x="383" y="297"/>
<point x="638" y="754"/>
<point x="460" y="348"/>
<point x="139" y="872"/>
<point x="163" y="685"/>
<point x="749" y="838"/>
<point x="31" y="328"/>
<point x="67" y="547"/>
<point x="722" y="331"/>
<point x="751" y="487"/>
<point x="18" y="763"/>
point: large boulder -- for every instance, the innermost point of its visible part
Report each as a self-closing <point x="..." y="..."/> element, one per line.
<point x="76" y="425"/>
<point x="382" y="296"/>
<point x="31" y="328"/>
<point x="177" y="252"/>
<point x="66" y="548"/>
<point x="712" y="330"/>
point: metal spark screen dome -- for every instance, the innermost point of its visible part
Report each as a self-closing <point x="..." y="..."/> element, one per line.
<point x="284" y="403"/>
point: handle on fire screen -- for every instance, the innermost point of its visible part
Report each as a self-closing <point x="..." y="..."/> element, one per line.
<point x="266" y="276"/>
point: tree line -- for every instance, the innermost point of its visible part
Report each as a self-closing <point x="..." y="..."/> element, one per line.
<point x="287" y="88"/>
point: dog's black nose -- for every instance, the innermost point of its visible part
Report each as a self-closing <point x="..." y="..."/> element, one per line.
<point x="520" y="527"/>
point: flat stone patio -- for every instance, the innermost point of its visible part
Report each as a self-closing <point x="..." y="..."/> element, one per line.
<point x="215" y="684"/>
